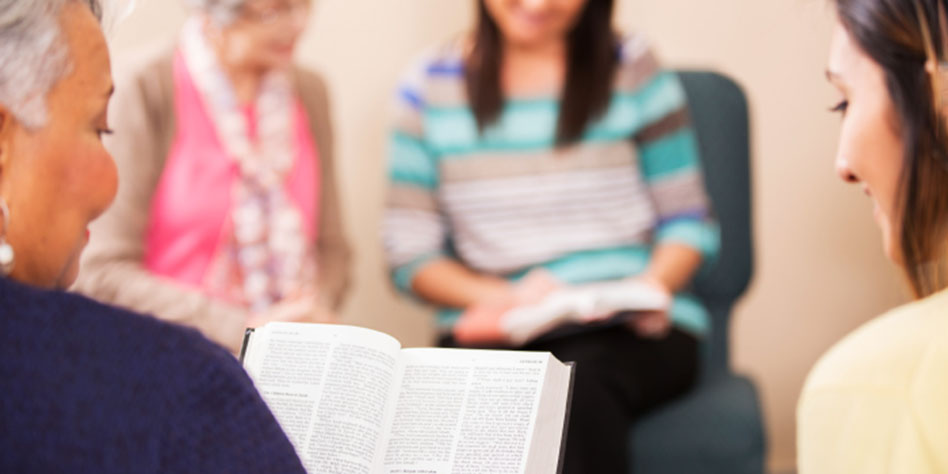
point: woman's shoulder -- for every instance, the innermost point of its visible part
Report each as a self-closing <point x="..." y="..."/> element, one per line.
<point x="439" y="62"/>
<point x="905" y="348"/>
<point x="91" y="335"/>
<point x="882" y="387"/>
<point x="634" y="47"/>
<point x="638" y="63"/>
<point x="148" y="380"/>
<point x="443" y="56"/>
<point x="309" y="80"/>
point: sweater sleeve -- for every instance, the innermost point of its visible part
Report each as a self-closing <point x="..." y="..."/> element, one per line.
<point x="112" y="265"/>
<point x="333" y="249"/>
<point x="671" y="165"/>
<point x="413" y="230"/>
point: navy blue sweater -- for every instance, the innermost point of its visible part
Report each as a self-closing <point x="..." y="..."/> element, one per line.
<point x="87" y="388"/>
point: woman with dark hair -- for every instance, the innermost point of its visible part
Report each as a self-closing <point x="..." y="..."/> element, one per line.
<point x="876" y="401"/>
<point x="546" y="151"/>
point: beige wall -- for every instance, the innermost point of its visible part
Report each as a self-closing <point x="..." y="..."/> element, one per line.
<point x="820" y="270"/>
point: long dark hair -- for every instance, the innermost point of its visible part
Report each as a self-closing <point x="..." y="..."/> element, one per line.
<point x="892" y="33"/>
<point x="591" y="63"/>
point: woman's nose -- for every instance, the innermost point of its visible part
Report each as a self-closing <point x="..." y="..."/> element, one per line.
<point x="845" y="172"/>
<point x="534" y="5"/>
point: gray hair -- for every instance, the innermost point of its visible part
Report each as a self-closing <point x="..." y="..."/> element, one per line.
<point x="223" y="12"/>
<point x="33" y="55"/>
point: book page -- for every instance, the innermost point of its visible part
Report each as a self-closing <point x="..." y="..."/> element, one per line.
<point x="589" y="303"/>
<point x="328" y="386"/>
<point x="464" y="412"/>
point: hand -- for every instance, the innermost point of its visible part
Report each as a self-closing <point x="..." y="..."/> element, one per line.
<point x="652" y="324"/>
<point x="481" y="324"/>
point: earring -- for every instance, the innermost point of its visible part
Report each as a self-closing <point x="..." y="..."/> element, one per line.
<point x="7" y="259"/>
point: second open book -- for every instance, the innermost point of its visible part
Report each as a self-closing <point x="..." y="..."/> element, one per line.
<point x="353" y="401"/>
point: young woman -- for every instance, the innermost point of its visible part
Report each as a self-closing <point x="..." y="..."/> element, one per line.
<point x="876" y="401"/>
<point x="546" y="144"/>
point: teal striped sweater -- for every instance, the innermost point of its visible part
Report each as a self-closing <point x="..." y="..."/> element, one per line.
<point x="507" y="201"/>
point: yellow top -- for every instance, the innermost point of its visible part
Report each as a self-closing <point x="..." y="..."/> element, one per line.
<point x="877" y="402"/>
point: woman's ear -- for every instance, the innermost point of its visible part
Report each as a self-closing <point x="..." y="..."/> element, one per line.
<point x="936" y="65"/>
<point x="6" y="133"/>
<point x="938" y="73"/>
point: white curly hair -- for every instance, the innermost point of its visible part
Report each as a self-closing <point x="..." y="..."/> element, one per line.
<point x="33" y="55"/>
<point x="221" y="11"/>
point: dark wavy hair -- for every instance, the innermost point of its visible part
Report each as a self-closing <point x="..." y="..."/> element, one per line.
<point x="897" y="35"/>
<point x="591" y="64"/>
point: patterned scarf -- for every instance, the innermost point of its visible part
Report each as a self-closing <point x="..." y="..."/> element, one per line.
<point x="266" y="259"/>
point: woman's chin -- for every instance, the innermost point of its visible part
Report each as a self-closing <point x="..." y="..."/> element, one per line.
<point x="890" y="249"/>
<point x="889" y="241"/>
<point x="278" y="60"/>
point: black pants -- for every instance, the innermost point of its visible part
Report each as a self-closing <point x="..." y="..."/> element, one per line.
<point x="618" y="378"/>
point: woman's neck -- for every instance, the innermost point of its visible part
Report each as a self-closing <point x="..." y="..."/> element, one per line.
<point x="534" y="69"/>
<point x="245" y="81"/>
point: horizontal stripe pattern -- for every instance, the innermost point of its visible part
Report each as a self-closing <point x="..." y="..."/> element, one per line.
<point x="674" y="197"/>
<point x="526" y="125"/>
<point x="411" y="197"/>
<point x="670" y="156"/>
<point x="502" y="224"/>
<point x="427" y="235"/>
<point x="510" y="201"/>
<point x="701" y="235"/>
<point x="587" y="156"/>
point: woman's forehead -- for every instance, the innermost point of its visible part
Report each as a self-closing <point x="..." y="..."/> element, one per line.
<point x="87" y="47"/>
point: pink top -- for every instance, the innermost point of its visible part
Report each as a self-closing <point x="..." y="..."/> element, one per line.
<point x="190" y="214"/>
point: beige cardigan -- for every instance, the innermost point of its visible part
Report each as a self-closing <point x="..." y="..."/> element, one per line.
<point x="142" y="115"/>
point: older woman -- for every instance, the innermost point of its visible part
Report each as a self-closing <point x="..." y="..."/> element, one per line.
<point x="227" y="214"/>
<point x="86" y="387"/>
<point x="877" y="401"/>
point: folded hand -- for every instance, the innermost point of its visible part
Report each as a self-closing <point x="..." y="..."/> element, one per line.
<point x="482" y="324"/>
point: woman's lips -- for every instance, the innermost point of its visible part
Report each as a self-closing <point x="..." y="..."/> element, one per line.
<point x="532" y="19"/>
<point x="283" y="49"/>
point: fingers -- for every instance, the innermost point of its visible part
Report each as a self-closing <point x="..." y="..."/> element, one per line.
<point x="481" y="325"/>
<point x="536" y="286"/>
<point x="654" y="325"/>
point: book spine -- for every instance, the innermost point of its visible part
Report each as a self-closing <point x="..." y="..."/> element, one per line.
<point x="569" y="410"/>
<point x="243" y="346"/>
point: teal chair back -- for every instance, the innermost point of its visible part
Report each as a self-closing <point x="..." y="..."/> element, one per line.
<point x="718" y="427"/>
<point x="719" y="114"/>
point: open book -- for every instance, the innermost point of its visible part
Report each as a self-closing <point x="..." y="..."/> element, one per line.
<point x="549" y="310"/>
<point x="353" y="401"/>
<point x="594" y="304"/>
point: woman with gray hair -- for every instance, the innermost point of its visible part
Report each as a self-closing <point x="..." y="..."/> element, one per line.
<point x="227" y="215"/>
<point x="87" y="387"/>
